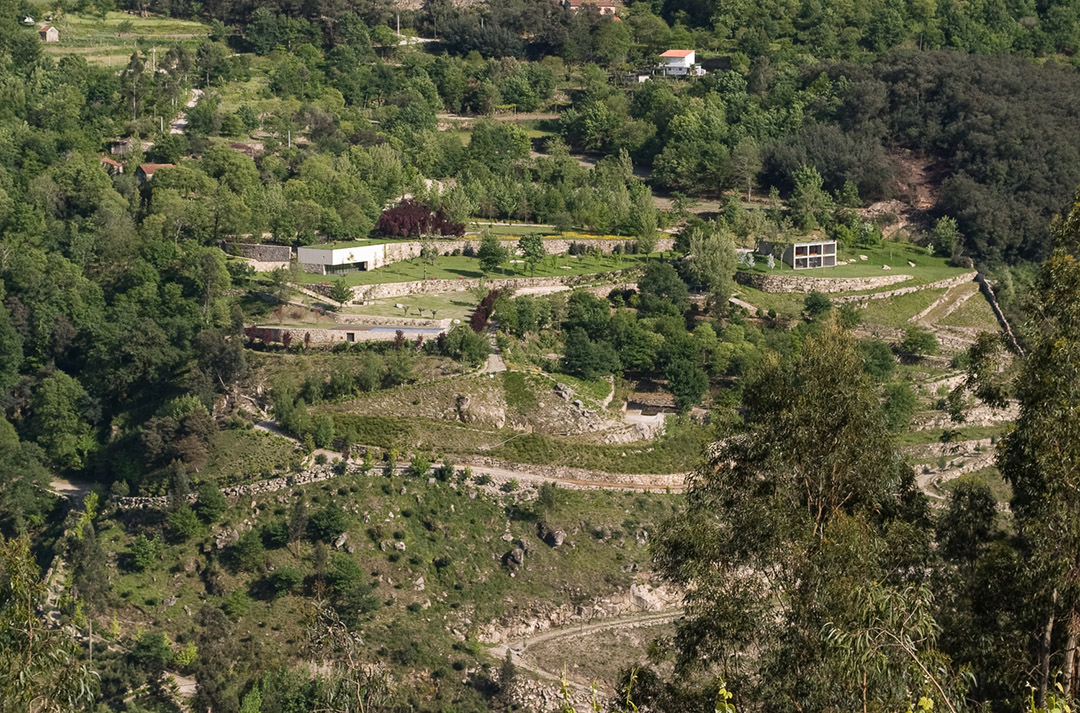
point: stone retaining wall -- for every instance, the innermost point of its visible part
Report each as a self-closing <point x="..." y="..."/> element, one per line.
<point x="429" y="287"/>
<point x="256" y="251"/>
<point x="939" y="285"/>
<point x="399" y="251"/>
<point x="984" y="286"/>
<point x="320" y="473"/>
<point x="827" y="285"/>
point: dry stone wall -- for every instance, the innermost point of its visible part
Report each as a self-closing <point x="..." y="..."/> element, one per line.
<point x="939" y="285"/>
<point x="428" y="287"/>
<point x="801" y="284"/>
<point x="262" y="253"/>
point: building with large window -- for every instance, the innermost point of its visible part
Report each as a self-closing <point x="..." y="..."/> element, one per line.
<point x="342" y="258"/>
<point x="815" y="253"/>
<point x="680" y="63"/>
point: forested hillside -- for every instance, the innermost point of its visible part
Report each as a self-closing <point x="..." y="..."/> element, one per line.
<point x="307" y="308"/>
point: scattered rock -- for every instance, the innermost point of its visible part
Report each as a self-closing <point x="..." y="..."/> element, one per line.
<point x="399" y="546"/>
<point x="418" y="585"/>
<point x="340" y="541"/>
<point x="514" y="558"/>
<point x="885" y="267"/>
<point x="507" y="537"/>
<point x="910" y="263"/>
<point x="551" y="536"/>
<point x="226" y="538"/>
<point x="863" y="257"/>
<point x="169" y="601"/>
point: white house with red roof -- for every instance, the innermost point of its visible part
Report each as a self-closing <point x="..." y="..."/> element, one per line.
<point x="49" y="33"/>
<point x="680" y="63"/>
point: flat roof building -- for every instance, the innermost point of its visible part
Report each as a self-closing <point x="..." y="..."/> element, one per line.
<point x="342" y="258"/>
<point x="808" y="254"/>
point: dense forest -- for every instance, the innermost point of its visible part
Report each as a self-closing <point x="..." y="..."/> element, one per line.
<point x="819" y="575"/>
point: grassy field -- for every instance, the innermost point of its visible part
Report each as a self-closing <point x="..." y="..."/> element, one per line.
<point x="896" y="311"/>
<point x="933" y="435"/>
<point x="991" y="477"/>
<point x="107" y="42"/>
<point x="974" y="313"/>
<point x="455" y="267"/>
<point x="677" y="451"/>
<point x="450" y="305"/>
<point x="428" y="596"/>
<point x="241" y="455"/>
<point x="927" y="268"/>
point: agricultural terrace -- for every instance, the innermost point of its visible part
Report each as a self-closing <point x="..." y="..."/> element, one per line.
<point x="111" y="41"/>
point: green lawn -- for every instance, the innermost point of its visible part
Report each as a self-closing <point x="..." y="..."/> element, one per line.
<point x="455" y="267"/>
<point x="933" y="435"/>
<point x="896" y="255"/>
<point x="451" y="305"/>
<point x="895" y="311"/>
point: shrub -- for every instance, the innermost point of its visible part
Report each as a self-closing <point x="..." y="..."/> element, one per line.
<point x="183" y="523"/>
<point x="419" y="466"/>
<point x="145" y="551"/>
<point x="211" y="503"/>
<point x="236" y="604"/>
<point x="284" y="581"/>
<point x="247" y="554"/>
<point x="327" y="523"/>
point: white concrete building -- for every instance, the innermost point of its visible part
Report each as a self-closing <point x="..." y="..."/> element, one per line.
<point x="342" y="258"/>
<point x="680" y="63"/>
<point x="815" y="253"/>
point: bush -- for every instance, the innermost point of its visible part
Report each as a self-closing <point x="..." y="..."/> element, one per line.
<point x="284" y="581"/>
<point x="445" y="471"/>
<point x="211" y="503"/>
<point x="817" y="304"/>
<point x="327" y="523"/>
<point x="183" y="523"/>
<point x="236" y="604"/>
<point x="419" y="466"/>
<point x="145" y="551"/>
<point x="248" y="553"/>
<point x="918" y="341"/>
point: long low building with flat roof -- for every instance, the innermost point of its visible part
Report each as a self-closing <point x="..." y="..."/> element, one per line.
<point x="343" y="258"/>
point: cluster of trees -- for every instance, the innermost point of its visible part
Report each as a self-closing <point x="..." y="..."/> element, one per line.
<point x="818" y="576"/>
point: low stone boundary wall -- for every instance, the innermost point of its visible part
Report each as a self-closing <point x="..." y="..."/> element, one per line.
<point x="258" y="251"/>
<point x="827" y="285"/>
<point x="320" y="473"/>
<point x="984" y="286"/>
<point x="428" y="287"/>
<point x="939" y="285"/>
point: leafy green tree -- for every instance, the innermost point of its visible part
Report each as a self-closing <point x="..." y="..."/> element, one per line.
<point x="211" y="504"/>
<point x="809" y="201"/>
<point x="918" y="341"/>
<point x="663" y="291"/>
<point x="39" y="666"/>
<point x="327" y="523"/>
<point x="946" y="236"/>
<point x="1040" y="458"/>
<point x="899" y="405"/>
<point x="465" y="345"/>
<point x="711" y="261"/>
<point x="532" y="250"/>
<point x="810" y="489"/>
<point x="25" y="500"/>
<point x="498" y="144"/>
<point x="688" y="383"/>
<point x="491" y="252"/>
<point x="58" y="422"/>
<point x="586" y="358"/>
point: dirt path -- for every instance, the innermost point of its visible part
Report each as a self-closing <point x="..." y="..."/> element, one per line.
<point x="518" y="648"/>
<point x="179" y="124"/>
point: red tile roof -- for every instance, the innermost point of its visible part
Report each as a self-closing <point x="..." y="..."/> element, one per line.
<point x="111" y="162"/>
<point x="677" y="53"/>
<point x="149" y="169"/>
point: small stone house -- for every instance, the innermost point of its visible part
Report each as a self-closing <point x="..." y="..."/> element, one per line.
<point x="146" y="171"/>
<point x="112" y="166"/>
<point x="49" y="33"/>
